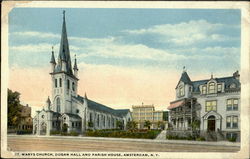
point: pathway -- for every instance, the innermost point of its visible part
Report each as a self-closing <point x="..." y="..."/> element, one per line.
<point x="162" y="135"/>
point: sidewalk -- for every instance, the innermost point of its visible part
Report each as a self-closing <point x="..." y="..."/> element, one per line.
<point x="188" y="142"/>
<point x="162" y="135"/>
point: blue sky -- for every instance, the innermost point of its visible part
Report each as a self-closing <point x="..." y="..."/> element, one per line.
<point x="207" y="40"/>
<point x="125" y="56"/>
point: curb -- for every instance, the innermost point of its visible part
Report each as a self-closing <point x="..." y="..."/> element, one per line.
<point x="186" y="142"/>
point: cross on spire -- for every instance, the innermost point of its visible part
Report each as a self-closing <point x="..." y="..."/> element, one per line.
<point x="184" y="68"/>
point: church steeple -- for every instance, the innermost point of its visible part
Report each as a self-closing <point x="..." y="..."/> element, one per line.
<point x="64" y="60"/>
<point x="64" y="80"/>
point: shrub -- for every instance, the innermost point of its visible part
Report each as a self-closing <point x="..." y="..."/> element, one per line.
<point x="22" y="132"/>
<point x="64" y="134"/>
<point x="54" y="132"/>
<point x="149" y="134"/>
<point x="232" y="139"/>
<point x="200" y="139"/>
<point x="73" y="133"/>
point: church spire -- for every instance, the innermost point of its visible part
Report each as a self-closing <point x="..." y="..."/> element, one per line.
<point x="75" y="68"/>
<point x="64" y="53"/>
<point x="52" y="60"/>
<point x="75" y="64"/>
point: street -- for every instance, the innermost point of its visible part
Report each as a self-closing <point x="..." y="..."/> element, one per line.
<point x="34" y="143"/>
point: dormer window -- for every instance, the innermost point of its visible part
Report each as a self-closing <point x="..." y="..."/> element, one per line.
<point x="219" y="88"/>
<point x="211" y="87"/>
<point x="233" y="85"/>
<point x="204" y="89"/>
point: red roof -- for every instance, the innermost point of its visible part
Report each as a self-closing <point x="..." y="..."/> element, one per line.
<point x="176" y="104"/>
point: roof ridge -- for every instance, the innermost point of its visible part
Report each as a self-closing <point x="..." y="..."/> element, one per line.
<point x="214" y="78"/>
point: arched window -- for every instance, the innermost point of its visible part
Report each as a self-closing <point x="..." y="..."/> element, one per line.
<point x="108" y="122"/>
<point x="181" y="91"/>
<point x="55" y="82"/>
<point x="98" y="120"/>
<point x="58" y="105"/>
<point x="90" y="117"/>
<point x="73" y="86"/>
<point x="211" y="87"/>
<point x="104" y="121"/>
<point x="60" y="82"/>
<point x="113" y="122"/>
<point x="68" y="84"/>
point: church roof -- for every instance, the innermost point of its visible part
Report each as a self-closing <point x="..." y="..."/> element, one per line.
<point x="122" y="112"/>
<point x="73" y="115"/>
<point x="102" y="108"/>
<point x="64" y="53"/>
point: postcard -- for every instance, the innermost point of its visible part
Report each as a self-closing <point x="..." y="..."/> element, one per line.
<point x="112" y="79"/>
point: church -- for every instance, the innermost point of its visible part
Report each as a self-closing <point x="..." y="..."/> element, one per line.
<point x="66" y="110"/>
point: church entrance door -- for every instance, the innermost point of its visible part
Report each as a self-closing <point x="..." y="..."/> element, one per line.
<point x="65" y="127"/>
<point x="43" y="129"/>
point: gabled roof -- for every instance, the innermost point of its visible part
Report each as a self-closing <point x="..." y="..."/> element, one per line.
<point x="185" y="79"/>
<point x="102" y="108"/>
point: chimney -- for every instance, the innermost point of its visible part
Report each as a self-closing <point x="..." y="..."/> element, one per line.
<point x="236" y="75"/>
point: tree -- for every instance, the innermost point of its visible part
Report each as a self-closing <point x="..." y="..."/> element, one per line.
<point x="14" y="108"/>
<point x="64" y="128"/>
<point x="195" y="125"/>
<point x="119" y="124"/>
<point x="160" y="125"/>
<point x="131" y="125"/>
<point x="147" y="124"/>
